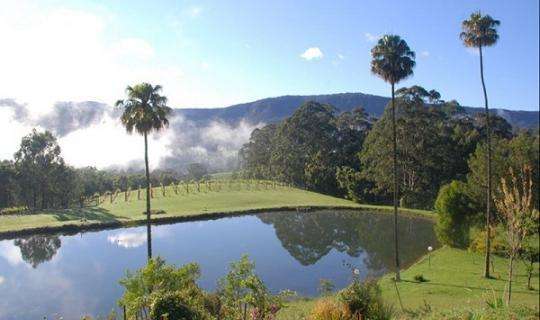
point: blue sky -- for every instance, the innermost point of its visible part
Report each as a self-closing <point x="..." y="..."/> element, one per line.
<point x="235" y="51"/>
<point x="218" y="53"/>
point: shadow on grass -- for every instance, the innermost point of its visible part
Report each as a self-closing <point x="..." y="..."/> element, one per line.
<point x="88" y="214"/>
<point x="430" y="283"/>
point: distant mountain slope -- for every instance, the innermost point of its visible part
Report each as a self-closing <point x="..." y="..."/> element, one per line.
<point x="275" y="109"/>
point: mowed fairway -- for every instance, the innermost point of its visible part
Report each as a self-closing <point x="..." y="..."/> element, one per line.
<point x="226" y="200"/>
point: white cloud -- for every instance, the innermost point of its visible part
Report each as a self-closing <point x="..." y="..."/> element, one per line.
<point x="340" y="56"/>
<point x="424" y="54"/>
<point x="2" y="280"/>
<point x="108" y="143"/>
<point x="11" y="253"/>
<point x="128" y="239"/>
<point x="62" y="54"/>
<point x="313" y="53"/>
<point x="371" y="37"/>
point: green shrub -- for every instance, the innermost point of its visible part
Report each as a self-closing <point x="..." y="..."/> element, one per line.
<point x="156" y="279"/>
<point x="454" y="208"/>
<point x="241" y="286"/>
<point x="499" y="244"/>
<point x="213" y="304"/>
<point x="173" y="306"/>
<point x="365" y="299"/>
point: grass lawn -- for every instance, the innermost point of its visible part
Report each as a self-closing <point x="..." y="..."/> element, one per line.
<point x="181" y="205"/>
<point x="230" y="199"/>
<point x="454" y="281"/>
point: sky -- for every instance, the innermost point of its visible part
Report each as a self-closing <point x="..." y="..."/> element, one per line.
<point x="218" y="53"/>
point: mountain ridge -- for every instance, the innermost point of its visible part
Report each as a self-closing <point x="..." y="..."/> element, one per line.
<point x="274" y="109"/>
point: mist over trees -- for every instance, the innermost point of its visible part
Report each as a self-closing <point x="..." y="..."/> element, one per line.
<point x="40" y="179"/>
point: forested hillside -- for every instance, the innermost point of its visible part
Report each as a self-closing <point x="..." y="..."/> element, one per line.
<point x="271" y="110"/>
<point x="349" y="154"/>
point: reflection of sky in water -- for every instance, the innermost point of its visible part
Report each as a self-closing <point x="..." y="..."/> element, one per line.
<point x="82" y="275"/>
<point x="128" y="239"/>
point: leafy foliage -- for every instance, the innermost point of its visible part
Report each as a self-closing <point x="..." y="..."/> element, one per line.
<point x="479" y="30"/>
<point x="453" y="207"/>
<point x="241" y="287"/>
<point x="176" y="305"/>
<point x="365" y="299"/>
<point x="154" y="280"/>
<point x="522" y="150"/>
<point x="393" y="60"/>
<point x="307" y="148"/>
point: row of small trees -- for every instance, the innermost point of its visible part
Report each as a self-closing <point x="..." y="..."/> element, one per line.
<point x="186" y="188"/>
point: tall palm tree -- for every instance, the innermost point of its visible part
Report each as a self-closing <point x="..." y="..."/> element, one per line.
<point x="145" y="110"/>
<point x="393" y="61"/>
<point x="481" y="31"/>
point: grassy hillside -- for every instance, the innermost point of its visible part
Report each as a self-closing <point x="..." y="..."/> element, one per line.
<point x="229" y="198"/>
<point x="454" y="281"/>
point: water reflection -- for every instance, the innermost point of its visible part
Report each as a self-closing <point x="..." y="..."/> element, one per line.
<point x="291" y="250"/>
<point x="38" y="249"/>
<point x="310" y="236"/>
<point x="128" y="239"/>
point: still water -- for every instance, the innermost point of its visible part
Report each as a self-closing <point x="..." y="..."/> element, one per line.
<point x="74" y="275"/>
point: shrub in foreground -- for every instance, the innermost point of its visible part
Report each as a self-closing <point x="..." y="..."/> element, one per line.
<point x="329" y="309"/>
<point x="364" y="299"/>
<point x="176" y="306"/>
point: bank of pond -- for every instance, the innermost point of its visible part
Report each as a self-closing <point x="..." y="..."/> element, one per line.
<point x="53" y="275"/>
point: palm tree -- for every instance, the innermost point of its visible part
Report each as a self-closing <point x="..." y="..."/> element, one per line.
<point x="145" y="110"/>
<point x="481" y="31"/>
<point x="393" y="61"/>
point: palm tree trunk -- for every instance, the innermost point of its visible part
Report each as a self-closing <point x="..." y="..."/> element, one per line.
<point x="488" y="195"/>
<point x="396" y="187"/>
<point x="148" y="226"/>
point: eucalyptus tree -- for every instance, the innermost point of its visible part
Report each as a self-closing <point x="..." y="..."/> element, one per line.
<point x="481" y="31"/>
<point x="393" y="61"/>
<point x="145" y="111"/>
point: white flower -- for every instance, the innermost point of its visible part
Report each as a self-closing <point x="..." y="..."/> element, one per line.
<point x="430" y="248"/>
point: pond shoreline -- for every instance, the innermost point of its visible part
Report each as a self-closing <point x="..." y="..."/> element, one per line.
<point x="158" y="219"/>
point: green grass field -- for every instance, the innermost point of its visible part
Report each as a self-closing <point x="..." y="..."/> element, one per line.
<point x="223" y="198"/>
<point x="454" y="281"/>
<point x="174" y="205"/>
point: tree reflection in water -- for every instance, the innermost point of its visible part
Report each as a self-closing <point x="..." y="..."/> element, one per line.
<point x="38" y="248"/>
<point x="309" y="236"/>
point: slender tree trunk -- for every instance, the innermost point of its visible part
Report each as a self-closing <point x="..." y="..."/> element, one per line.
<point x="488" y="159"/>
<point x="396" y="187"/>
<point x="148" y="226"/>
<point x="529" y="275"/>
<point x="510" y="274"/>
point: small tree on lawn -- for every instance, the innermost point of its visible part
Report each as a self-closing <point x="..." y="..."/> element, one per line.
<point x="517" y="208"/>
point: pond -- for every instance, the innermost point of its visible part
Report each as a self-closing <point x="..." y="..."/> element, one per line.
<point x="74" y="275"/>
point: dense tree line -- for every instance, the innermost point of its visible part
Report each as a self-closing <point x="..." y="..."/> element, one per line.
<point x="38" y="177"/>
<point x="307" y="148"/>
<point x="350" y="154"/>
